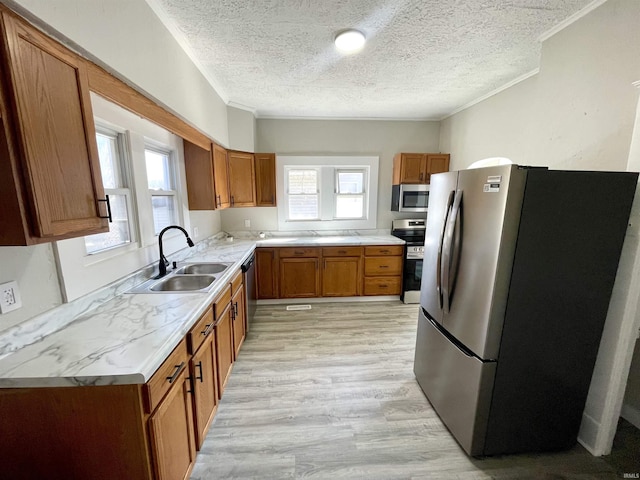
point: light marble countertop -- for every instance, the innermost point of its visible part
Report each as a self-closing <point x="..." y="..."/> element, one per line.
<point x="126" y="338"/>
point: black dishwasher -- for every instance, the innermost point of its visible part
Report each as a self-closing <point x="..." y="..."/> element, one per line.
<point x="249" y="277"/>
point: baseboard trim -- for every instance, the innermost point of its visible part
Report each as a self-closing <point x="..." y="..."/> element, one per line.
<point x="631" y="415"/>
<point x="290" y="301"/>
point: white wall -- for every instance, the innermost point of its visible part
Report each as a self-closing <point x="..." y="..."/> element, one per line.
<point x="324" y="137"/>
<point x="577" y="113"/>
<point x="127" y="38"/>
<point x="242" y="129"/>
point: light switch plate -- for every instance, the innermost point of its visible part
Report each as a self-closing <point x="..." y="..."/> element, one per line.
<point x="9" y="297"/>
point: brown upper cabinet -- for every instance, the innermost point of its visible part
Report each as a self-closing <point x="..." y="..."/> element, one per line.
<point x="200" y="181"/>
<point x="418" y="167"/>
<point x="242" y="179"/>
<point x="221" y="177"/>
<point x="265" y="165"/>
<point x="52" y="187"/>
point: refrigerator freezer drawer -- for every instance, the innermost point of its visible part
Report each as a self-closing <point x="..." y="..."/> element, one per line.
<point x="457" y="385"/>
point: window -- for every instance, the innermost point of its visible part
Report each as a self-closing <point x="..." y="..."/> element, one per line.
<point x="350" y="194"/>
<point x="327" y="193"/>
<point x="115" y="180"/>
<point x="303" y="194"/>
<point x="161" y="188"/>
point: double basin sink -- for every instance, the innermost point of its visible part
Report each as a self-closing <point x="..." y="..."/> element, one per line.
<point x="189" y="278"/>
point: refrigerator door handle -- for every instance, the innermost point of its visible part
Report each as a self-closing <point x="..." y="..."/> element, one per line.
<point x="452" y="237"/>
<point x="440" y="245"/>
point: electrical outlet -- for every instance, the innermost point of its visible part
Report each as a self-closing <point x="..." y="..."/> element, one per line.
<point x="247" y="223"/>
<point x="9" y="297"/>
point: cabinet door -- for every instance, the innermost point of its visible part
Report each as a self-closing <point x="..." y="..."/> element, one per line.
<point x="53" y="120"/>
<point x="238" y="306"/>
<point x="267" y="272"/>
<point x="242" y="179"/>
<point x="299" y="277"/>
<point x="412" y="168"/>
<point x="224" y="348"/>
<point x="340" y="276"/>
<point x="265" y="179"/>
<point x="221" y="177"/>
<point x="198" y="166"/>
<point x="436" y="164"/>
<point x="205" y="390"/>
<point x="172" y="433"/>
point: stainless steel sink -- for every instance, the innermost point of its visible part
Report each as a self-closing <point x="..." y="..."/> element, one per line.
<point x="202" y="268"/>
<point x="181" y="283"/>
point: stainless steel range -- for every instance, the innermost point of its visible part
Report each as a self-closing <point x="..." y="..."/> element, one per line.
<point x="411" y="231"/>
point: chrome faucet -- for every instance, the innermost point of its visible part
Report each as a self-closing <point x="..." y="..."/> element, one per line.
<point x="163" y="262"/>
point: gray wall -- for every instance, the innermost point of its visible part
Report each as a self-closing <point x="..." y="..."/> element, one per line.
<point x="325" y="137"/>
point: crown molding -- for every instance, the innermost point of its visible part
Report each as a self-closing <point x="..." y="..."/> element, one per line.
<point x="510" y="84"/>
<point x="353" y="119"/>
<point x="241" y="106"/>
<point x="569" y="20"/>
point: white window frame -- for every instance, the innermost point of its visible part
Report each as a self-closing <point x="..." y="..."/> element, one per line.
<point x="173" y="180"/>
<point x="328" y="165"/>
<point x="128" y="192"/>
<point x="318" y="192"/>
<point x="80" y="273"/>
<point x="363" y="194"/>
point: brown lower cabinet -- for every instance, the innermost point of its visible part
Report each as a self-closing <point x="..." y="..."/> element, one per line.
<point x="348" y="271"/>
<point x="146" y="431"/>
<point x="172" y="432"/>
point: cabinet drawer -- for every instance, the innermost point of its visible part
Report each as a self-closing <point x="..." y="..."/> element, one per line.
<point x="288" y="252"/>
<point x="166" y="376"/>
<point x="342" y="251"/>
<point x="221" y="302"/>
<point x="236" y="282"/>
<point x="200" y="330"/>
<point x="382" y="285"/>
<point x="380" y="250"/>
<point x="382" y="266"/>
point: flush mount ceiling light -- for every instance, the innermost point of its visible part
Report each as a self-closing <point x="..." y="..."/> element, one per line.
<point x="349" y="41"/>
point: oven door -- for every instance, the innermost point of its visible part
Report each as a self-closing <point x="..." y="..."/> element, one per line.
<point x="412" y="277"/>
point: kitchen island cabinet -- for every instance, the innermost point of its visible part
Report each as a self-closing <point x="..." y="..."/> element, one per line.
<point x="52" y="187"/>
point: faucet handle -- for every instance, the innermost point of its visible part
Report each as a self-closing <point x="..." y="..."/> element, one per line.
<point x="175" y="265"/>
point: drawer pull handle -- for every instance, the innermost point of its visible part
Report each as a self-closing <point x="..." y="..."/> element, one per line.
<point x="199" y="367"/>
<point x="296" y="252"/>
<point x="384" y="266"/>
<point x="178" y="368"/>
<point x="384" y="285"/>
<point x="207" y="329"/>
<point x="342" y="251"/>
<point x="385" y="251"/>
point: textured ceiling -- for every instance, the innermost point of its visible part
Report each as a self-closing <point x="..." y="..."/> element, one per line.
<point x="423" y="59"/>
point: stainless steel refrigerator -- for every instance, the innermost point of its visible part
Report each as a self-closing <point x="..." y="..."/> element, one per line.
<point x="518" y="271"/>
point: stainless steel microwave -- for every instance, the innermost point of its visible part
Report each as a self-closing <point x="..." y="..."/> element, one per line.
<point x="410" y="198"/>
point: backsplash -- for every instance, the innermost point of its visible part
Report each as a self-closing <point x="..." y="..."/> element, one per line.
<point x="35" y="328"/>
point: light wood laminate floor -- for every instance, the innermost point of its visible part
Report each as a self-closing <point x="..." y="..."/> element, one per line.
<point x="329" y="393"/>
